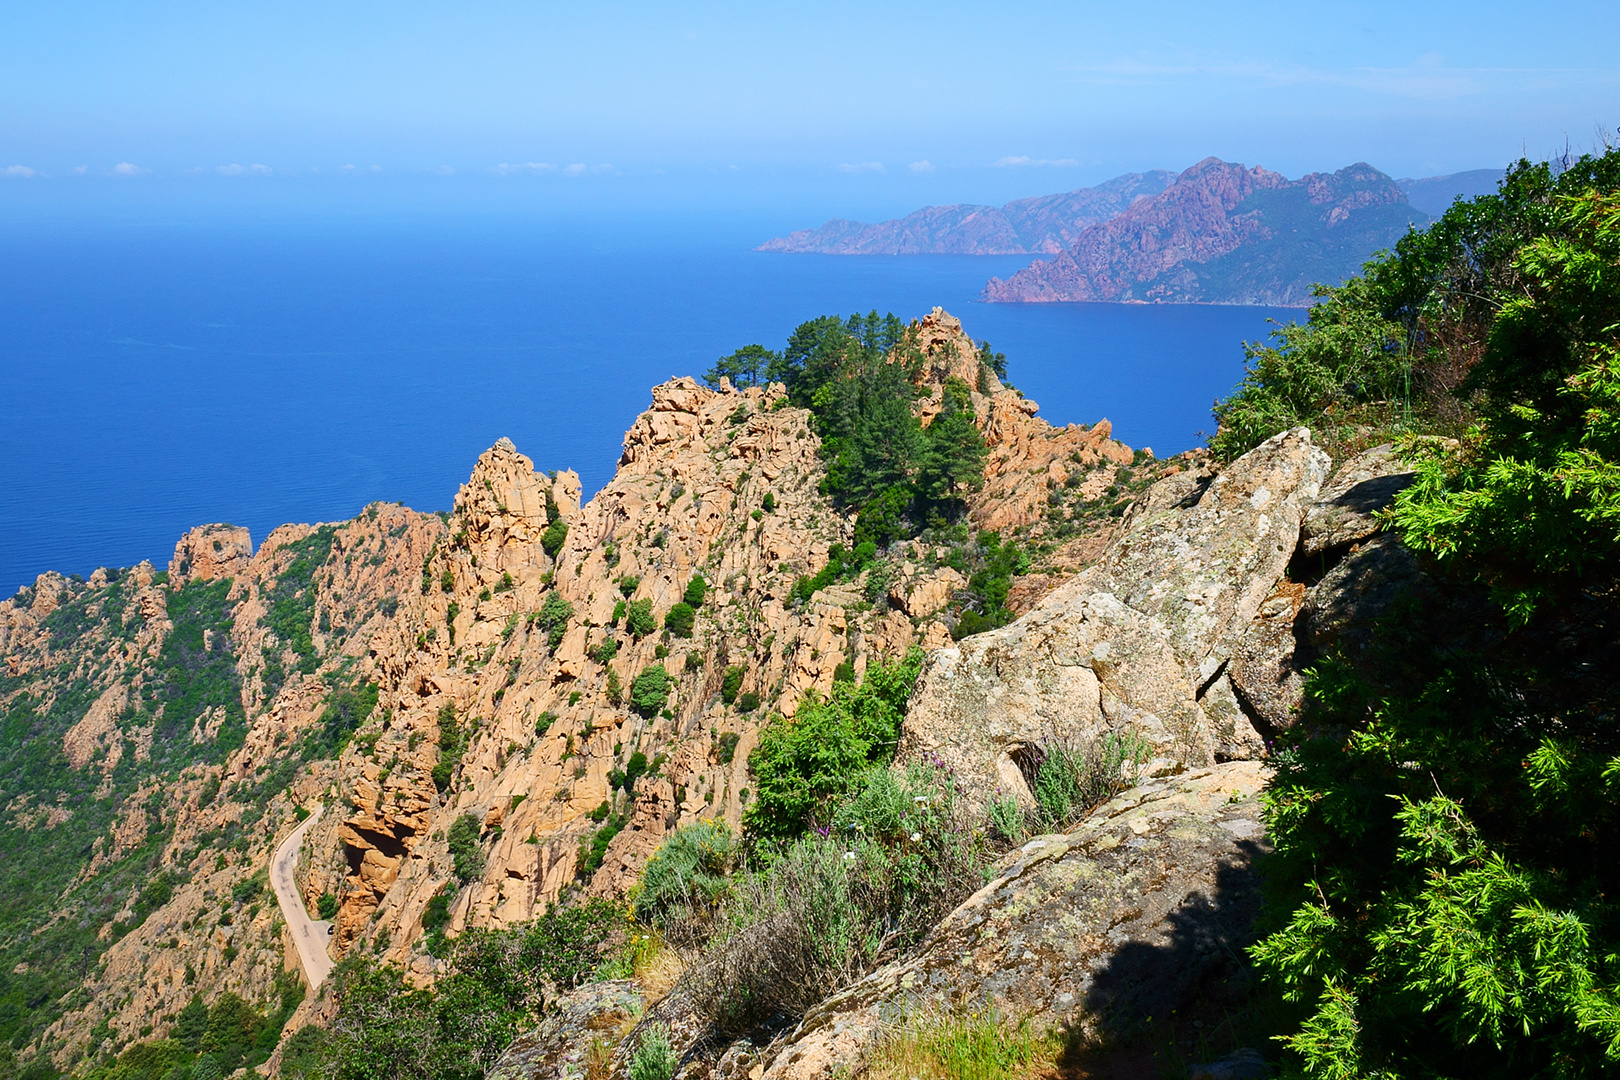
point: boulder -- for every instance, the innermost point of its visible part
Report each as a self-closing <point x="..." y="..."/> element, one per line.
<point x="1267" y="669"/>
<point x="1346" y="510"/>
<point x="1130" y="643"/>
<point x="580" y="1022"/>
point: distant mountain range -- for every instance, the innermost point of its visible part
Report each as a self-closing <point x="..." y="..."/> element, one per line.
<point x="1218" y="232"/>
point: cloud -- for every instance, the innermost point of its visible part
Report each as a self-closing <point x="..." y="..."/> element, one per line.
<point x="579" y="168"/>
<point x="1035" y="163"/>
<point x="863" y="167"/>
<point x="529" y="167"/>
<point x="921" y="166"/>
<point x="1427" y="78"/>
<point x="243" y="170"/>
<point x="80" y="170"/>
<point x="18" y="172"/>
<point x="124" y="168"/>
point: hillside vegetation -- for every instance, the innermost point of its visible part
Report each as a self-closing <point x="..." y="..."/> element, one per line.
<point x="1443" y="897"/>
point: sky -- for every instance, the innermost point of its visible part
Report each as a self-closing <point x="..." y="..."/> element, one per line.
<point x="866" y="106"/>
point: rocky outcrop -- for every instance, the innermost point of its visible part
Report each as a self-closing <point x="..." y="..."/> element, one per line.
<point x="569" y="1044"/>
<point x="1224" y="233"/>
<point x="209" y="553"/>
<point x="1046" y="223"/>
<point x="1346" y="511"/>
<point x="1135" y="642"/>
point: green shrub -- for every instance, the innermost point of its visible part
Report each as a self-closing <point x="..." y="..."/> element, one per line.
<point x="639" y="618"/>
<point x="731" y="682"/>
<point x="728" y="746"/>
<point x="768" y="503"/>
<point x="605" y="650"/>
<point x="552" y="539"/>
<point x="679" y="619"/>
<point x="650" y="690"/>
<point x="466" y="851"/>
<point x="553" y="618"/>
<point x="543" y="722"/>
<point x="628" y="584"/>
<point x="686" y="878"/>
<point x="804" y="765"/>
<point x="747" y="701"/>
<point x="696" y="590"/>
<point x="653" y="1059"/>
<point x="1071" y="779"/>
<point x="619" y="611"/>
<point x="327" y="906"/>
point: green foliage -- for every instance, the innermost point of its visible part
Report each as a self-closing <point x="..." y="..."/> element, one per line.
<point x="629" y="584"/>
<point x="346" y="709"/>
<point x="678" y="620"/>
<point x="639" y="618"/>
<point x="462" y="840"/>
<point x="805" y="765"/>
<point x="728" y="746"/>
<point x="748" y="366"/>
<point x="543" y="722"/>
<point x="813" y="915"/>
<point x="450" y="747"/>
<point x="553" y="618"/>
<point x="768" y="503"/>
<point x="731" y="682"/>
<point x="1442" y="897"/>
<point x="696" y="590"/>
<point x="1071" y="779"/>
<point x="747" y="701"/>
<point x="593" y="849"/>
<point x="991" y="565"/>
<point x="650" y="690"/>
<point x="1531" y="504"/>
<point x="653" y="1059"/>
<point x="552" y="539"/>
<point x="605" y="650"/>
<point x="952" y="464"/>
<point x="290" y="606"/>
<point x="326" y="907"/>
<point x="686" y="877"/>
<point x="841" y="566"/>
<point x="1347" y="363"/>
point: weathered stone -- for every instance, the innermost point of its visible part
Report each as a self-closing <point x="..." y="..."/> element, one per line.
<point x="584" y="1022"/>
<point x="1363" y="587"/>
<point x="1268" y="663"/>
<point x="1128" y="915"/>
<point x="1233" y="732"/>
<point x="209" y="553"/>
<point x="1345" y="511"/>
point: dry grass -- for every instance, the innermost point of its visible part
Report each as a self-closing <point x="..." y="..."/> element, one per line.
<point x="972" y="1046"/>
<point x="654" y="965"/>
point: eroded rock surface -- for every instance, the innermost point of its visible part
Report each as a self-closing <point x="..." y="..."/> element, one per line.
<point x="1134" y="642"/>
<point x="581" y="1023"/>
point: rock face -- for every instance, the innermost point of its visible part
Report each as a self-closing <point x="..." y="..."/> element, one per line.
<point x="1132" y="643"/>
<point x="579" y="1023"/>
<point x="1223" y="233"/>
<point x="211" y="552"/>
<point x="1046" y="223"/>
<point x="1345" y="511"/>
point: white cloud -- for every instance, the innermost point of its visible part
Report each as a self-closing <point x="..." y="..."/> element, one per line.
<point x="862" y="167"/>
<point x="530" y="167"/>
<point x="1035" y="163"/>
<point x="376" y="168"/>
<point x="18" y="172"/>
<point x="243" y="170"/>
<point x="921" y="166"/>
<point x="124" y="168"/>
<point x="579" y="168"/>
<point x="80" y="170"/>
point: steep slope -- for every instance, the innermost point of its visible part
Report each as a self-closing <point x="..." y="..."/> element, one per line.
<point x="1224" y="233"/>
<point x="165" y="730"/>
<point x="1044" y="223"/>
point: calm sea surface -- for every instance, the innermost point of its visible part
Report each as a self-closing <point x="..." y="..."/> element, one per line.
<point x="156" y="377"/>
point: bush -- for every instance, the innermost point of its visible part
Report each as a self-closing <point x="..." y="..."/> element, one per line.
<point x="730" y="683"/>
<point x="747" y="701"/>
<point x="650" y="690"/>
<point x="728" y="746"/>
<point x="806" y="764"/>
<point x="653" y="1059"/>
<point x="553" y="618"/>
<point x="327" y="906"/>
<point x="466" y="851"/>
<point x="605" y="650"/>
<point x="639" y="618"/>
<point x="685" y="880"/>
<point x="696" y="590"/>
<point x="552" y="539"/>
<point x="1071" y="779"/>
<point x="815" y="915"/>
<point x="679" y="619"/>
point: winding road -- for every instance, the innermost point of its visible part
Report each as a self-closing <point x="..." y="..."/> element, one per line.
<point x="309" y="935"/>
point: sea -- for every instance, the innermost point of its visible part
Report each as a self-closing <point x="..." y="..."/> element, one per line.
<point x="158" y="374"/>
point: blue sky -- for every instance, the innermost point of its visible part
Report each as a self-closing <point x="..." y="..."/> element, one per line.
<point x="872" y="106"/>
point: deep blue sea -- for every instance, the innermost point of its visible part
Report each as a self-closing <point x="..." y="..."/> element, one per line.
<point x="161" y="375"/>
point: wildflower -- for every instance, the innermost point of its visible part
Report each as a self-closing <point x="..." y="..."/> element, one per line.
<point x="916" y="836"/>
<point x="849" y="856"/>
